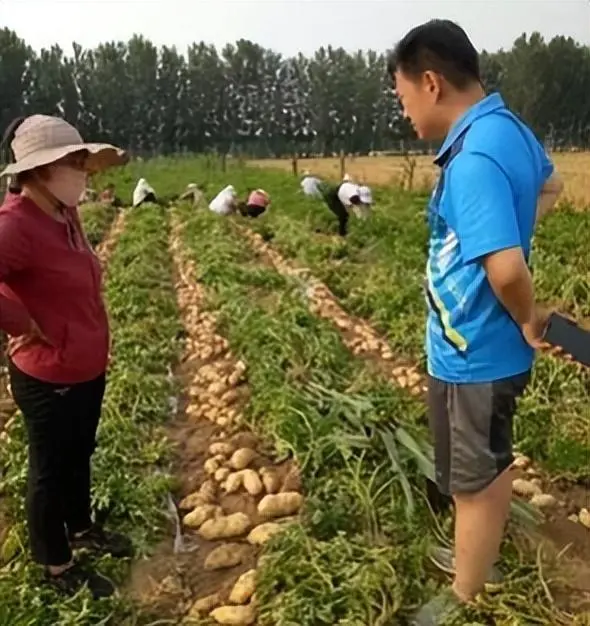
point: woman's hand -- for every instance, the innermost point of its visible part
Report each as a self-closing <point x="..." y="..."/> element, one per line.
<point x="35" y="335"/>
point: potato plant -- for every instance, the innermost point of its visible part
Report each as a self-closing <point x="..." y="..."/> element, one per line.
<point x="358" y="555"/>
<point x="130" y="479"/>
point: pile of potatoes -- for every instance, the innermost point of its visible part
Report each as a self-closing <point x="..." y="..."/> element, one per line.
<point x="361" y="338"/>
<point x="531" y="487"/>
<point x="231" y="466"/>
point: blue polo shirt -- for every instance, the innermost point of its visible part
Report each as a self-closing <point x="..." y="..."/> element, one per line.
<point x="492" y="171"/>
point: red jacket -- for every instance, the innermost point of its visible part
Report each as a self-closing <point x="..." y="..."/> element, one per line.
<point x="49" y="274"/>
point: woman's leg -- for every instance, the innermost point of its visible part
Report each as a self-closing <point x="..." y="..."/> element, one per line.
<point x="85" y="403"/>
<point x="42" y="407"/>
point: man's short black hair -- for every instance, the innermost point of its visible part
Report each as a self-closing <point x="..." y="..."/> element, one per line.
<point x="439" y="46"/>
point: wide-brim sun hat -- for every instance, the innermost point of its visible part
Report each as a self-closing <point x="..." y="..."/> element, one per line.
<point x="44" y="139"/>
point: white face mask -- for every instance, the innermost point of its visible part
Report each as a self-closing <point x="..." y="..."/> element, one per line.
<point x="66" y="184"/>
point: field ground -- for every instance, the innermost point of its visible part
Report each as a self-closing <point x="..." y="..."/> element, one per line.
<point x="226" y="337"/>
<point x="394" y="171"/>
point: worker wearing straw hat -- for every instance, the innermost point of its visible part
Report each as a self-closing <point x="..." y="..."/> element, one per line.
<point x="51" y="307"/>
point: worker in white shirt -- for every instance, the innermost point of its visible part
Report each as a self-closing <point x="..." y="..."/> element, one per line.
<point x="143" y="193"/>
<point x="340" y="198"/>
<point x="193" y="192"/>
<point x="225" y="202"/>
<point x="310" y="185"/>
<point x="363" y="210"/>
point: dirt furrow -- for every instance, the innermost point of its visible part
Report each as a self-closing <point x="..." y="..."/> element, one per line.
<point x="566" y="510"/>
<point x="233" y="496"/>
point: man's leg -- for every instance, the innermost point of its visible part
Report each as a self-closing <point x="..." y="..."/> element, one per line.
<point x="480" y="478"/>
<point x="472" y="428"/>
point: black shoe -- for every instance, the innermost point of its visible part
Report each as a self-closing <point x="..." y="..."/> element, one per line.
<point x="98" y="540"/>
<point x="77" y="577"/>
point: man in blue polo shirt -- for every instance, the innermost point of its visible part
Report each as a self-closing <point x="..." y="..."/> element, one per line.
<point x="483" y="323"/>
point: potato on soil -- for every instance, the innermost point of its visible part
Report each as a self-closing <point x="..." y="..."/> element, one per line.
<point x="264" y="532"/>
<point x="244" y="588"/>
<point x="192" y="500"/>
<point x="225" y="556"/>
<point x="221" y="474"/>
<point x="222" y="448"/>
<point x="201" y="514"/>
<point x="208" y="491"/>
<point x="270" y="480"/>
<point x="251" y="481"/>
<point x="211" y="466"/>
<point x="226" y="527"/>
<point x="242" y="458"/>
<point x="584" y="518"/>
<point x="205" y="605"/>
<point x="544" y="500"/>
<point x="525" y="488"/>
<point x="280" y="504"/>
<point x="234" y="482"/>
<point x="234" y="615"/>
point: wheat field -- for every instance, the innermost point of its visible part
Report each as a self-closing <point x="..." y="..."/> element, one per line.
<point x="419" y="172"/>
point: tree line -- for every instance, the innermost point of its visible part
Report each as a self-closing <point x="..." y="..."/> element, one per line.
<point x="246" y="99"/>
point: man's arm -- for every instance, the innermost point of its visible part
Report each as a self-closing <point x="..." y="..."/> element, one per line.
<point x="549" y="195"/>
<point x="483" y="216"/>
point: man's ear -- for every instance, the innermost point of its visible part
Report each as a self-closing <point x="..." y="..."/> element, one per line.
<point x="432" y="83"/>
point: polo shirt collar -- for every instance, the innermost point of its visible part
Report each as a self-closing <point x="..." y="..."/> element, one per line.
<point x="490" y="103"/>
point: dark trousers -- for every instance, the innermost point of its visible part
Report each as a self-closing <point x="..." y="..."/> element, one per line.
<point x="61" y="423"/>
<point x="335" y="205"/>
<point x="253" y="210"/>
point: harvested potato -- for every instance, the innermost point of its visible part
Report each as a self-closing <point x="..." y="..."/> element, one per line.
<point x="234" y="482"/>
<point x="521" y="462"/>
<point x="584" y="518"/>
<point x="235" y="615"/>
<point x="270" y="480"/>
<point x="244" y="588"/>
<point x="225" y="556"/>
<point x="225" y="527"/>
<point x="231" y="396"/>
<point x="200" y="514"/>
<point x="242" y="458"/>
<point x="216" y="388"/>
<point x="192" y="500"/>
<point x="208" y="491"/>
<point x="222" y="448"/>
<point x="280" y="504"/>
<point x="544" y="500"/>
<point x="234" y="379"/>
<point x="525" y="488"/>
<point x="223" y="421"/>
<point x="221" y="474"/>
<point x="205" y="605"/>
<point x="251" y="481"/>
<point x="264" y="532"/>
<point x="211" y="466"/>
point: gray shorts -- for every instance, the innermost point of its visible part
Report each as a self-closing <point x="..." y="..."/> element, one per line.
<point x="472" y="428"/>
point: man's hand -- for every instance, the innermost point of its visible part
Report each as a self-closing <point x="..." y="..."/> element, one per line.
<point x="534" y="329"/>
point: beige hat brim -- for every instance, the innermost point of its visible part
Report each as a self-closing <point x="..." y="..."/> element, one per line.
<point x="100" y="157"/>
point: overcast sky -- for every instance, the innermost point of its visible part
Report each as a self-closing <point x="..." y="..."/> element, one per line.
<point x="287" y="26"/>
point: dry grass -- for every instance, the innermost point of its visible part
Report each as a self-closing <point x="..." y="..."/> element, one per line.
<point x="394" y="170"/>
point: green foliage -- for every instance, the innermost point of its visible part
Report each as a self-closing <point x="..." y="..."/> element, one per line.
<point x="130" y="464"/>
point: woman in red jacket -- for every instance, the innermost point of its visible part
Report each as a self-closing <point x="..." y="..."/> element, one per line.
<point x="52" y="309"/>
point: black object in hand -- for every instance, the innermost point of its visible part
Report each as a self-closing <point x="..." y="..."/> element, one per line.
<point x="571" y="338"/>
